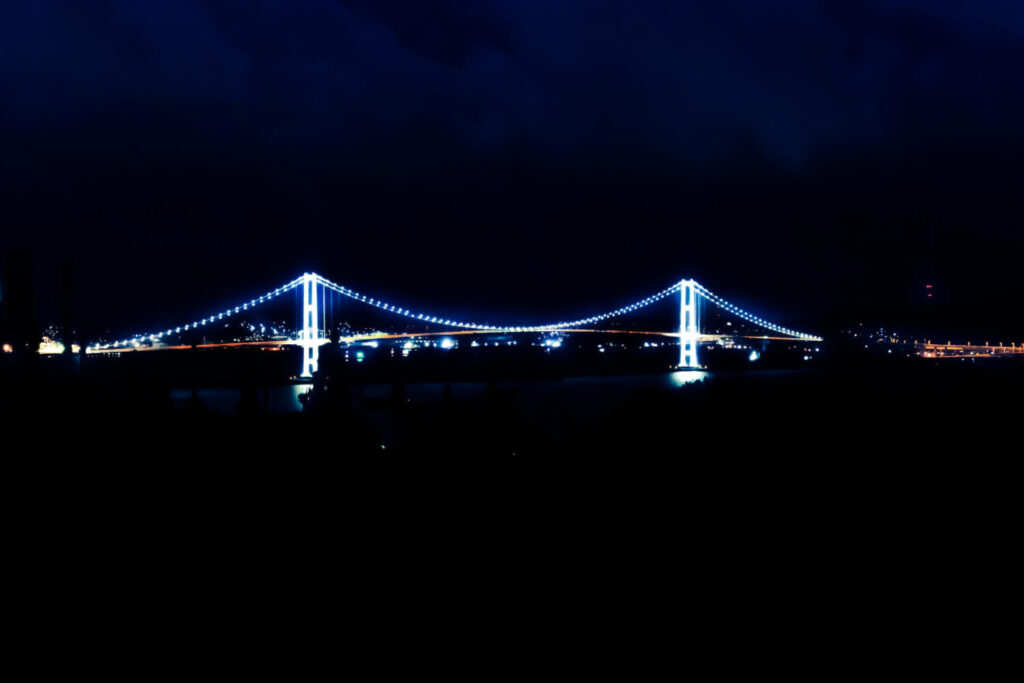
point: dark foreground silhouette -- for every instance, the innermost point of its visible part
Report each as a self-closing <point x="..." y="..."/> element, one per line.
<point x="873" y="501"/>
<point x="891" y="415"/>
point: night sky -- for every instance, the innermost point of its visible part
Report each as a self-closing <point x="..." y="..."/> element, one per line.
<point x="819" y="162"/>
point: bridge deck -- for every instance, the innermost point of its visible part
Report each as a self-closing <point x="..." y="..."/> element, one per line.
<point x="412" y="335"/>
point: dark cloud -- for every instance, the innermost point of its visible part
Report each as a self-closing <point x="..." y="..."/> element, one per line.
<point x="818" y="152"/>
<point x="693" y="80"/>
<point x="451" y="33"/>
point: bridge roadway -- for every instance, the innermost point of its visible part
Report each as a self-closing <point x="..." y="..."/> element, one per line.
<point x="412" y="335"/>
<point x="929" y="350"/>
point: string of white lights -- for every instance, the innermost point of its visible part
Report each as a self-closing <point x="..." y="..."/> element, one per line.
<point x="383" y="305"/>
<point x="750" y="317"/>
<point x="138" y="339"/>
<point x="642" y="303"/>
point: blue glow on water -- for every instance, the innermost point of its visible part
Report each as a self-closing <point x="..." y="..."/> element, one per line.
<point x="684" y="377"/>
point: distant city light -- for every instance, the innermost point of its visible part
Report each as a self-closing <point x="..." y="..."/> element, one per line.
<point x="447" y="343"/>
<point x="48" y="346"/>
<point x="754" y="355"/>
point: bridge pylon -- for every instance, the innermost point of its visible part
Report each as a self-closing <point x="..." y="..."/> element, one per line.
<point x="689" y="325"/>
<point x="310" y="325"/>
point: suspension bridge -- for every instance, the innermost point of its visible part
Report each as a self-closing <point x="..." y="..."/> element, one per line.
<point x="693" y="299"/>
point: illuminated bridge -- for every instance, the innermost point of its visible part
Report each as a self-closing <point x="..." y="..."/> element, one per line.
<point x="318" y="293"/>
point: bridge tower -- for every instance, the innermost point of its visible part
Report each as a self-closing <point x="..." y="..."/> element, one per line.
<point x="689" y="325"/>
<point x="310" y="325"/>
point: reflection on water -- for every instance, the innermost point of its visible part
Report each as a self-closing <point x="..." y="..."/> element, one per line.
<point x="299" y="390"/>
<point x="597" y="392"/>
<point x="275" y="399"/>
<point x="687" y="377"/>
